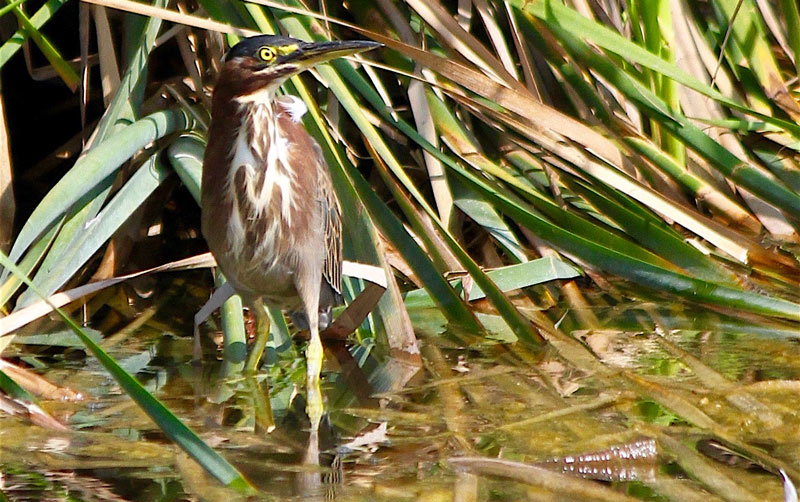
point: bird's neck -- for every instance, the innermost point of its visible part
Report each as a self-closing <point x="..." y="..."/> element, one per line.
<point x="264" y="97"/>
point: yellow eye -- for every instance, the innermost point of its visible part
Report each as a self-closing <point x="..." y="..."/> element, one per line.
<point x="266" y="54"/>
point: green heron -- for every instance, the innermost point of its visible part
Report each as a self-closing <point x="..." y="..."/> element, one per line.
<point x="269" y="212"/>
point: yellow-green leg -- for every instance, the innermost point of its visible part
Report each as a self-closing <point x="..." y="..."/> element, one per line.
<point x="307" y="282"/>
<point x="314" y="357"/>
<point x="262" y="337"/>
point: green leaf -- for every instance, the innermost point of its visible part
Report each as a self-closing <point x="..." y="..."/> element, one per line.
<point x="44" y="14"/>
<point x="31" y="260"/>
<point x="55" y="273"/>
<point x="63" y="338"/>
<point x="555" y="14"/>
<point x="485" y="215"/>
<point x="93" y="170"/>
<point x="186" y="156"/>
<point x="508" y="278"/>
<point x="89" y="192"/>
<point x="754" y="179"/>
<point x="63" y="68"/>
<point x="645" y="274"/>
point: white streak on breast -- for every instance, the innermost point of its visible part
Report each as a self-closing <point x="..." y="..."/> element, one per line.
<point x="294" y="106"/>
<point x="279" y="175"/>
<point x="236" y="233"/>
<point x="266" y="149"/>
<point x="241" y="156"/>
<point x="265" y="253"/>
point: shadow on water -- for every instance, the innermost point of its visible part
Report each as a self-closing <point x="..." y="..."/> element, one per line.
<point x="660" y="404"/>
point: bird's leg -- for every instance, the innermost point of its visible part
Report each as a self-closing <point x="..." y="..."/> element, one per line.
<point x="262" y="336"/>
<point x="221" y="294"/>
<point x="314" y="357"/>
<point x="308" y="287"/>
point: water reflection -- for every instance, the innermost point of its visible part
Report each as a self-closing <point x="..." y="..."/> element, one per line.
<point x="580" y="407"/>
<point x="308" y="481"/>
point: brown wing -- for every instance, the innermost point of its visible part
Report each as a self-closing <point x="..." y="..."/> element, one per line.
<point x="332" y="223"/>
<point x="326" y="200"/>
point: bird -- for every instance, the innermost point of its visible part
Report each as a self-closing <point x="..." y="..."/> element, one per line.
<point x="269" y="212"/>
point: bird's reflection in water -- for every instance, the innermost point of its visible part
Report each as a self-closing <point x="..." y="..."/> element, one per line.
<point x="320" y="476"/>
<point x="308" y="482"/>
<point x="313" y="482"/>
<point x="309" y="479"/>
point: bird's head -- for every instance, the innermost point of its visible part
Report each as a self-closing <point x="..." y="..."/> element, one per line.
<point x="268" y="60"/>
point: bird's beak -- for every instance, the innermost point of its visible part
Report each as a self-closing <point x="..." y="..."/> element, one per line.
<point x="310" y="54"/>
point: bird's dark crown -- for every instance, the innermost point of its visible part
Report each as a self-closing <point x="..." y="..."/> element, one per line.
<point x="267" y="49"/>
